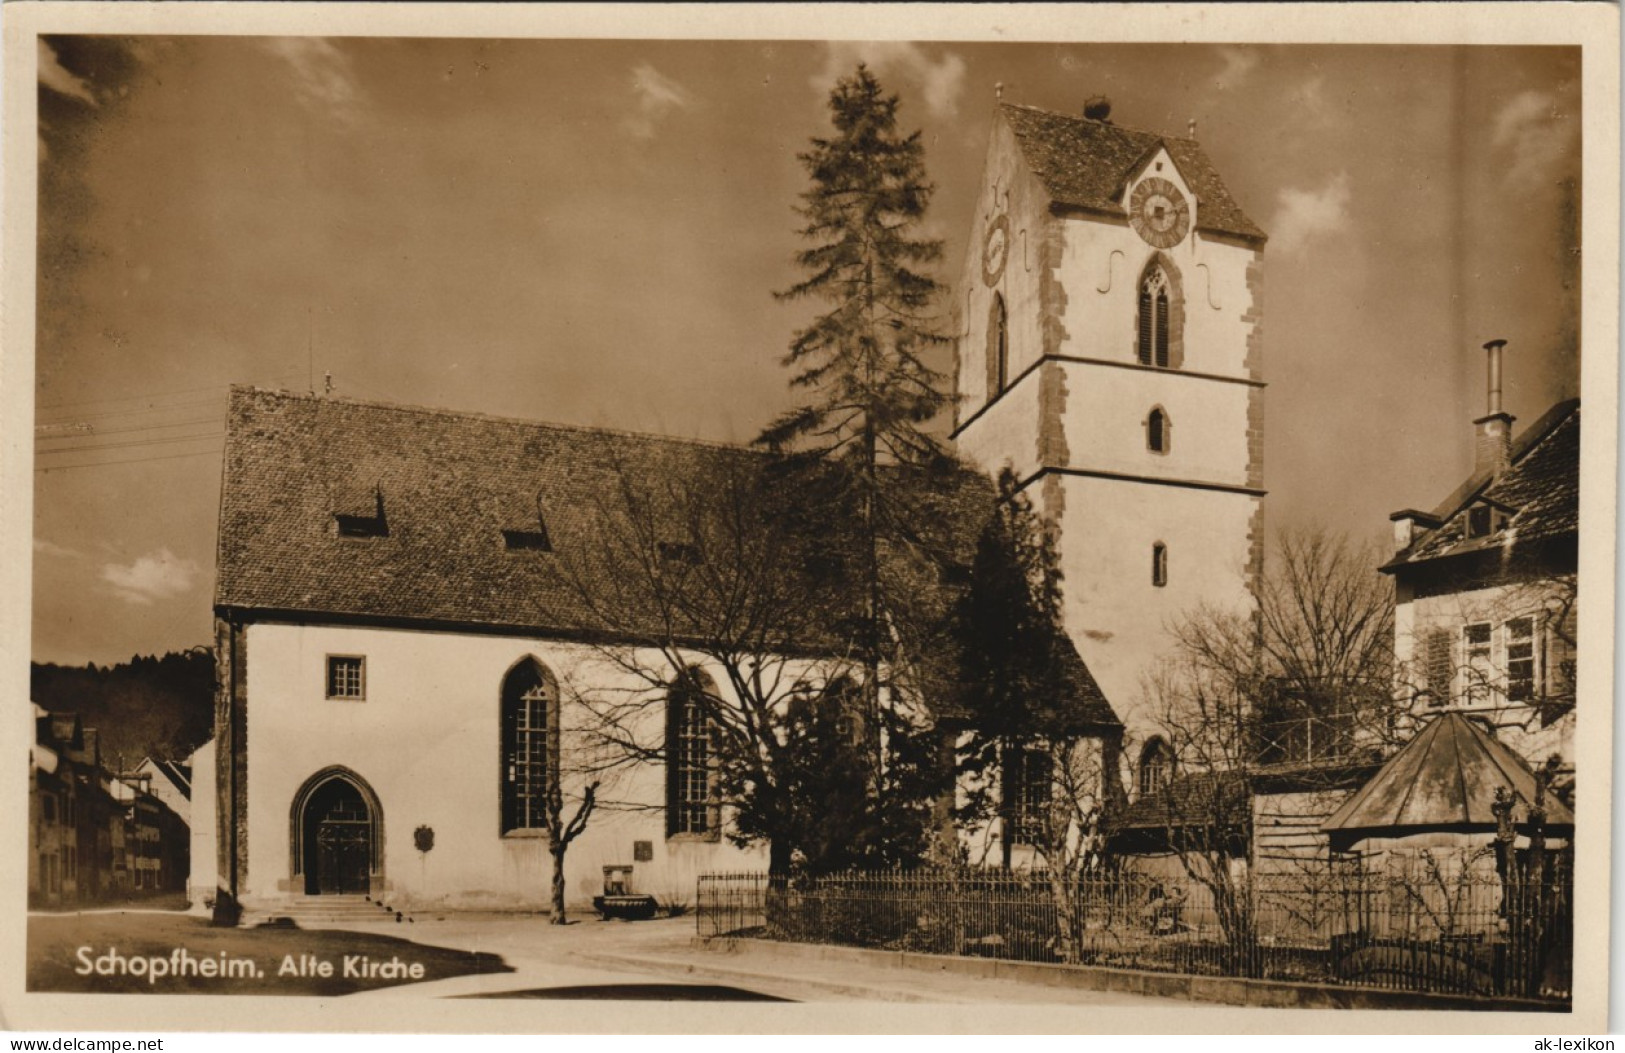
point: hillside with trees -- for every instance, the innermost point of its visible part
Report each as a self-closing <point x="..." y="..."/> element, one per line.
<point x="162" y="707"/>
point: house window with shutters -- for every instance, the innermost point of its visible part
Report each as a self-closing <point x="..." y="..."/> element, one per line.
<point x="1436" y="658"/>
<point x="1522" y="658"/>
<point x="691" y="766"/>
<point x="530" y="758"/>
<point x="1479" y="667"/>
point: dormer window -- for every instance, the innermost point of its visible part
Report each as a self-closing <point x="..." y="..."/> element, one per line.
<point x="679" y="552"/>
<point x="1484" y="519"/>
<point x="526" y="541"/>
<point x="525" y="529"/>
<point x="362" y="516"/>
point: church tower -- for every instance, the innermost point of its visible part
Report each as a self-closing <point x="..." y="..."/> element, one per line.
<point x="1110" y="352"/>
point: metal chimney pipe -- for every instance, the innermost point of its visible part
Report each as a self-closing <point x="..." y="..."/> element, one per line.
<point x="1494" y="348"/>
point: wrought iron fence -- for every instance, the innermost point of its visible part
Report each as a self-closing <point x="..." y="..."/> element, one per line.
<point x="1466" y="935"/>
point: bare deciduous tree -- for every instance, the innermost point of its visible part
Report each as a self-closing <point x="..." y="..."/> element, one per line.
<point x="710" y="579"/>
<point x="1303" y="683"/>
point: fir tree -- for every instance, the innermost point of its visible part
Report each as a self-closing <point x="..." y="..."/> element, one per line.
<point x="862" y="362"/>
<point x="1012" y="645"/>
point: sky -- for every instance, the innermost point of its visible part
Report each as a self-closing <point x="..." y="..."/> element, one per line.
<point x="591" y="232"/>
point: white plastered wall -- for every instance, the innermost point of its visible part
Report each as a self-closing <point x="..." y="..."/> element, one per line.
<point x="427" y="741"/>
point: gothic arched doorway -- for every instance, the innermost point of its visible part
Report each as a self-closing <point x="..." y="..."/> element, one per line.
<point x="337" y="835"/>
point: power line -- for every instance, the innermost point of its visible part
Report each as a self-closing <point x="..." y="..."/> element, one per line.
<point x="91" y="432"/>
<point x="225" y="386"/>
<point x="101" y="414"/>
<point x="129" y="460"/>
<point x="125" y="444"/>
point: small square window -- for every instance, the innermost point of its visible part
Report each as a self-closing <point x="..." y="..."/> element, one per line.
<point x="346" y="677"/>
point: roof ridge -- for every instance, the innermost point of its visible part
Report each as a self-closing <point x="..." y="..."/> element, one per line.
<point x="493" y="418"/>
<point x="1165" y="136"/>
<point x="1081" y="119"/>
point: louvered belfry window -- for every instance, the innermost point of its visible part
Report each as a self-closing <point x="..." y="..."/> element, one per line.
<point x="998" y="348"/>
<point x="1153" y="341"/>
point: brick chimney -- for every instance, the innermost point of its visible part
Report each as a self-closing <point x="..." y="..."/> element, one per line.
<point x="1493" y="449"/>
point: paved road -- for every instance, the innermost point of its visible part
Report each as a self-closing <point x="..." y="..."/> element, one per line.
<point x="655" y="959"/>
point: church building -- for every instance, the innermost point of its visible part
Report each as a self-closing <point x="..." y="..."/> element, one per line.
<point x="393" y="657"/>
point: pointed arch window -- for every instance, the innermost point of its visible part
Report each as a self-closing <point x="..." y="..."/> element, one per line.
<point x="1029" y="787"/>
<point x="1158" y="431"/>
<point x="691" y="759"/>
<point x="998" y="348"/>
<point x="1156" y="315"/>
<point x="530" y="745"/>
<point x="1156" y="766"/>
<point x="1159" y="564"/>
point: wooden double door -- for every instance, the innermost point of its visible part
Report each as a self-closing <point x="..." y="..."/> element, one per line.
<point x="338" y="841"/>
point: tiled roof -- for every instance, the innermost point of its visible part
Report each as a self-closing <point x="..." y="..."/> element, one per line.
<point x="450" y="484"/>
<point x="1081" y="709"/>
<point x="1195" y="799"/>
<point x="1540" y="486"/>
<point x="1087" y="164"/>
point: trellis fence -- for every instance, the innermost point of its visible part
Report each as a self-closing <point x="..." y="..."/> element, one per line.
<point x="1468" y="935"/>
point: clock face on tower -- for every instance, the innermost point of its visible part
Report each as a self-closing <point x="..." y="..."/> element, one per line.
<point x="995" y="249"/>
<point x="1159" y="213"/>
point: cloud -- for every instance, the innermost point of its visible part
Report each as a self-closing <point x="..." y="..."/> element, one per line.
<point x="50" y="548"/>
<point x="59" y="80"/>
<point x="1311" y="99"/>
<point x="1535" y="139"/>
<point x="1303" y="215"/>
<point x="939" y="81"/>
<point x="1239" y="64"/>
<point x="657" y="96"/>
<point x="323" y="76"/>
<point x="157" y="576"/>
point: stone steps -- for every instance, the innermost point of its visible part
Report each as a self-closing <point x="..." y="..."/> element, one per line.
<point x="317" y="911"/>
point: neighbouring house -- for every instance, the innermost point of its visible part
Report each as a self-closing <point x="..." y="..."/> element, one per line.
<point x="53" y="831"/>
<point x="202" y="859"/>
<point x="1485" y="587"/>
<point x="167" y="780"/>
<point x="94" y="837"/>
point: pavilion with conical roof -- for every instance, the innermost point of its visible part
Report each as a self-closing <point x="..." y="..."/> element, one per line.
<point x="1443" y="781"/>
